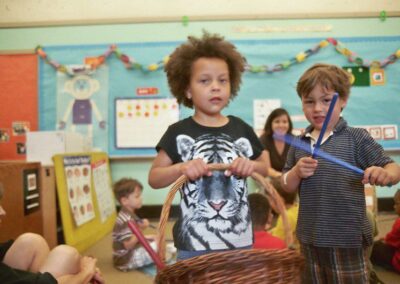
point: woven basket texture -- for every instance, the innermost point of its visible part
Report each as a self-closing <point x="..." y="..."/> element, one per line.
<point x="233" y="266"/>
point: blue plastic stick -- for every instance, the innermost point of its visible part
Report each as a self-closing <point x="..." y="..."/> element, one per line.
<point x="324" y="125"/>
<point x="303" y="146"/>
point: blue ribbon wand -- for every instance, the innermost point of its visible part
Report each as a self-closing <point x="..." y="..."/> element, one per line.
<point x="306" y="147"/>
<point x="324" y="125"/>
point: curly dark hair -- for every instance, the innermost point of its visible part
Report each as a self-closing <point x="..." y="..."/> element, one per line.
<point x="179" y="65"/>
<point x="330" y="77"/>
<point x="126" y="186"/>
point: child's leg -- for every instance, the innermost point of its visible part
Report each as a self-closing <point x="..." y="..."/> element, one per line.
<point x="346" y="265"/>
<point x="334" y="265"/>
<point x="28" y="252"/>
<point x="313" y="271"/>
<point x="382" y="254"/>
<point x="62" y="260"/>
<point x="139" y="258"/>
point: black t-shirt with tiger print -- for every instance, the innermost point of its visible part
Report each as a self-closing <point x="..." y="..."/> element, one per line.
<point x="214" y="210"/>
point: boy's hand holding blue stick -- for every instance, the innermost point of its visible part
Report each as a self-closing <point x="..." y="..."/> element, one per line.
<point x="306" y="147"/>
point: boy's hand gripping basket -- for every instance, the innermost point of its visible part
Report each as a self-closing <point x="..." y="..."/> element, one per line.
<point x="233" y="266"/>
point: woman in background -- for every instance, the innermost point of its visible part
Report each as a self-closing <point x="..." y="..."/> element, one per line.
<point x="277" y="122"/>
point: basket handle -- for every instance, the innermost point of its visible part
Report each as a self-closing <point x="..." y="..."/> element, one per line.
<point x="275" y="200"/>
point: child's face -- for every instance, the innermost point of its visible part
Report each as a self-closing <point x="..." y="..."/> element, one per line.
<point x="134" y="200"/>
<point x="209" y="87"/>
<point x="316" y="105"/>
<point x="280" y="124"/>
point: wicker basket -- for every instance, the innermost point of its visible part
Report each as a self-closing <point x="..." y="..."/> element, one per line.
<point x="233" y="266"/>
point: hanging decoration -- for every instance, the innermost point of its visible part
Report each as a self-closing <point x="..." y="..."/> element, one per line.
<point x="185" y="21"/>
<point x="382" y="15"/>
<point x="131" y="63"/>
<point x="360" y="76"/>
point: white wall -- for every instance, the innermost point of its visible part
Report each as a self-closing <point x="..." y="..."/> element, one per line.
<point x="15" y="13"/>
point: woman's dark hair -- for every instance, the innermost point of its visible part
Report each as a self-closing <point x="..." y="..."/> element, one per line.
<point x="274" y="114"/>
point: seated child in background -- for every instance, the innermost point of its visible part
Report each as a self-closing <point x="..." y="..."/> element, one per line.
<point x="292" y="212"/>
<point x="261" y="217"/>
<point x="128" y="253"/>
<point x="386" y="252"/>
<point x="28" y="259"/>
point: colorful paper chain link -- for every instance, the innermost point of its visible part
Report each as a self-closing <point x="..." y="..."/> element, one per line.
<point x="131" y="63"/>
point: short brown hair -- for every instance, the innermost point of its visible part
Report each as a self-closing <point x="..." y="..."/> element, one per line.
<point x="397" y="195"/>
<point x="259" y="209"/>
<point x="330" y="77"/>
<point x="288" y="197"/>
<point x="126" y="186"/>
<point x="179" y="66"/>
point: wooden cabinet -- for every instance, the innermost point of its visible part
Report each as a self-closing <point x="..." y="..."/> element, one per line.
<point x="29" y="200"/>
<point x="49" y="205"/>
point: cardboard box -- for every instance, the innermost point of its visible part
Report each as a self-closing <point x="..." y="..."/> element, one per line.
<point x="41" y="146"/>
<point x="370" y="198"/>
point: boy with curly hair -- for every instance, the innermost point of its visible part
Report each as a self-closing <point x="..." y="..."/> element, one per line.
<point x="205" y="74"/>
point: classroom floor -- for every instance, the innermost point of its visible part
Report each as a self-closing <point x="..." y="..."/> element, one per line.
<point x="103" y="251"/>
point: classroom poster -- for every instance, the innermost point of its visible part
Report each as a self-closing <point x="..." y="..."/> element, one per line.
<point x="102" y="186"/>
<point x="78" y="174"/>
<point x="140" y="123"/>
<point x="261" y="111"/>
<point x="82" y="104"/>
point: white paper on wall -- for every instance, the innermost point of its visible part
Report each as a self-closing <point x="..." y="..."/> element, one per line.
<point x="102" y="187"/>
<point x="140" y="123"/>
<point x="262" y="109"/>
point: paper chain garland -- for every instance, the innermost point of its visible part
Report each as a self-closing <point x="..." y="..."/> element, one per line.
<point x="130" y="63"/>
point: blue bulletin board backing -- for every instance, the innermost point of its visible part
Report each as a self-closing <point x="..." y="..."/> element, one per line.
<point x="368" y="105"/>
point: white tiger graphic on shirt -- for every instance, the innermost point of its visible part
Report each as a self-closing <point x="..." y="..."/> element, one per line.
<point x="218" y="204"/>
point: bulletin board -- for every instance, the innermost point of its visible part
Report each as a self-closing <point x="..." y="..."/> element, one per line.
<point x="372" y="106"/>
<point x="90" y="172"/>
<point x="18" y="87"/>
<point x="140" y="122"/>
